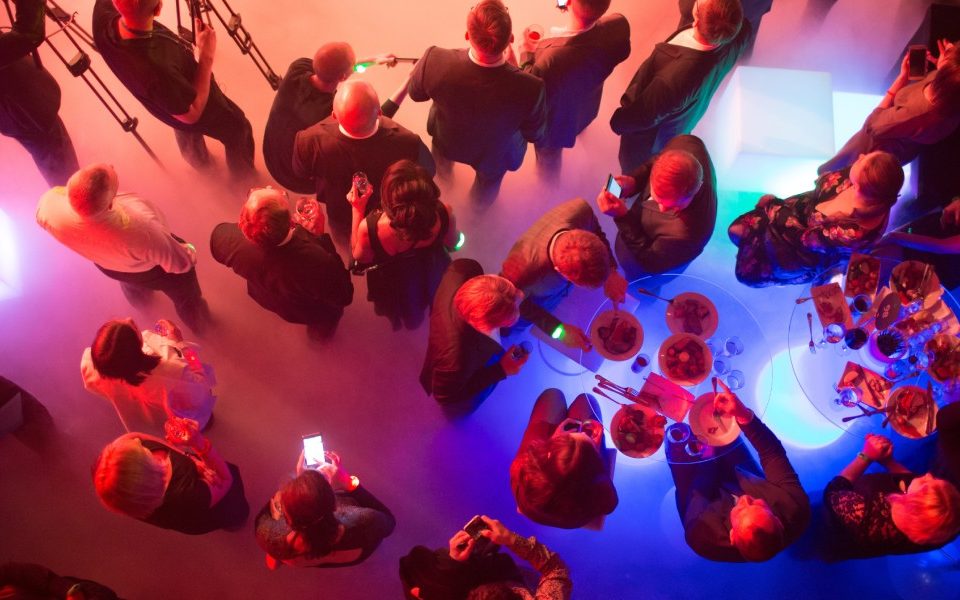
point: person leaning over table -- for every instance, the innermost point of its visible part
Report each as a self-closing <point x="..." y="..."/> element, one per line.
<point x="896" y="512"/>
<point x="464" y="572"/>
<point x="946" y="463"/>
<point x="734" y="510"/>
<point x="563" y="248"/>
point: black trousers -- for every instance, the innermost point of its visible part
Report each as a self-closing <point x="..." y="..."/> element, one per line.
<point x="222" y="120"/>
<point x="182" y="288"/>
<point x="29" y="102"/>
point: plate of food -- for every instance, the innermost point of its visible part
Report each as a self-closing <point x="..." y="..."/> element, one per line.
<point x="912" y="412"/>
<point x="863" y="275"/>
<point x="616" y="335"/>
<point x="945" y="365"/>
<point x="712" y="428"/>
<point x="637" y="430"/>
<point x="913" y="280"/>
<point x="692" y="313"/>
<point x="684" y="359"/>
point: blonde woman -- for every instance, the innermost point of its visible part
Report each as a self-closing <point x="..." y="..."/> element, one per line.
<point x="896" y="512"/>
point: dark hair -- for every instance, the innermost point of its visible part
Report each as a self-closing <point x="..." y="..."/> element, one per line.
<point x="410" y="199"/>
<point x="946" y="84"/>
<point x="308" y="504"/>
<point x="594" y="9"/>
<point x="490" y="26"/>
<point x="117" y="353"/>
<point x="562" y="480"/>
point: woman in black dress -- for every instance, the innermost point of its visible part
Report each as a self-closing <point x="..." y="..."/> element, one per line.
<point x="404" y="244"/>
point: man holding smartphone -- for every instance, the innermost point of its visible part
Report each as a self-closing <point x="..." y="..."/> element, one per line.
<point x="159" y="68"/>
<point x="573" y="63"/>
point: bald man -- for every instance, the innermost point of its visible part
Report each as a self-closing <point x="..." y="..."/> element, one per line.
<point x="356" y="137"/>
<point x="159" y="68"/>
<point x="127" y="238"/>
<point x="289" y="270"/>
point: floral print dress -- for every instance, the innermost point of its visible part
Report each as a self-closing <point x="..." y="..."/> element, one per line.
<point x="790" y="241"/>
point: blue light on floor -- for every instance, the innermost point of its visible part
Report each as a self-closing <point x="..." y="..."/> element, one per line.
<point x="790" y="414"/>
<point x="9" y="259"/>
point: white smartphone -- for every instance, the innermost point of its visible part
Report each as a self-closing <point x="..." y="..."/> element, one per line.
<point x="313" y="450"/>
<point x="613" y="187"/>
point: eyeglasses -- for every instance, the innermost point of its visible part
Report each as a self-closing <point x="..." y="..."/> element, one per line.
<point x="593" y="429"/>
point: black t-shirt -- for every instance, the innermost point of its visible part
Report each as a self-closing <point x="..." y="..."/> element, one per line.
<point x="159" y="68"/>
<point x="297" y="105"/>
<point x="186" y="502"/>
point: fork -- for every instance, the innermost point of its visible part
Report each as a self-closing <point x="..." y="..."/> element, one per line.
<point x="811" y="345"/>
<point x="647" y="292"/>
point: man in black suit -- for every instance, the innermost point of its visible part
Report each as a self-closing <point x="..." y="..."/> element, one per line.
<point x="30" y="96"/>
<point x="290" y="271"/>
<point x="732" y="509"/>
<point x="159" y="68"/>
<point x="484" y="110"/>
<point x="305" y="97"/>
<point x="356" y="137"/>
<point x="563" y="248"/>
<point x="673" y="87"/>
<point x="465" y="360"/>
<point x="573" y="63"/>
<point x="672" y="219"/>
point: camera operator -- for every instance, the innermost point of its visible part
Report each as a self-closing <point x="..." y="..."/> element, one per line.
<point x="30" y="96"/>
<point x="159" y="69"/>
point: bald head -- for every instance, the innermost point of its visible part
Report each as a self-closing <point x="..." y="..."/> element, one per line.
<point x="332" y="64"/>
<point x="357" y="108"/>
<point x="265" y="217"/>
<point x="91" y="189"/>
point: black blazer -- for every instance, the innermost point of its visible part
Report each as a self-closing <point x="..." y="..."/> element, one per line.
<point x="458" y="366"/>
<point x="669" y="93"/>
<point x="657" y="241"/>
<point x="303" y="281"/>
<point x="705" y="510"/>
<point x="574" y="69"/>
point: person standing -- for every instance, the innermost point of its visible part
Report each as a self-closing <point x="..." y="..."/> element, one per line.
<point x="574" y="62"/>
<point x="159" y="69"/>
<point x="30" y="96"/>
<point x="127" y="238"/>
<point x="484" y="110"/>
<point x="673" y="87"/>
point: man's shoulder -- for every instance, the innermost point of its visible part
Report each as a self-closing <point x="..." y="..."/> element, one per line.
<point x="54" y="205"/>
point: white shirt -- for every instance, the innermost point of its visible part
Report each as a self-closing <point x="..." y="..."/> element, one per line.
<point x="173" y="388"/>
<point x="360" y="137"/>
<point x="130" y="237"/>
<point x="688" y="39"/>
<point x="474" y="60"/>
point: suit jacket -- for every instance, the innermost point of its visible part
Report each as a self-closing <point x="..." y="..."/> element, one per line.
<point x="669" y="93"/>
<point x="528" y="264"/>
<point x="460" y="364"/>
<point x="705" y="509"/>
<point x="658" y="242"/>
<point x="481" y="116"/>
<point x="303" y="281"/>
<point x="573" y="68"/>
<point x="324" y="154"/>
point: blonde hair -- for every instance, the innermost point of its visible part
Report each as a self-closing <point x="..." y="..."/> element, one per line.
<point x="486" y="301"/>
<point x="581" y="257"/>
<point x="719" y="21"/>
<point x="127" y="480"/>
<point x="929" y="515"/>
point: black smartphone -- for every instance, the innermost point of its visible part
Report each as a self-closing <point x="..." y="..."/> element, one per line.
<point x="475" y="526"/>
<point x="613" y="187"/>
<point x="917" y="62"/>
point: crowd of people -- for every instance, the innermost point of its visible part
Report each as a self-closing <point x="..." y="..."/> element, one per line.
<point x="379" y="212"/>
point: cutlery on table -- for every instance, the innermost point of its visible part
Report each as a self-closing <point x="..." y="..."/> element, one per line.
<point x="804" y="299"/>
<point x="647" y="292"/>
<point x="811" y="345"/>
<point x="867" y="413"/>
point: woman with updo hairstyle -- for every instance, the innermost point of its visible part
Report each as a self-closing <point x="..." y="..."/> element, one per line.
<point x="783" y="242"/>
<point x="148" y="376"/>
<point x="322" y="518"/>
<point x="403" y="245"/>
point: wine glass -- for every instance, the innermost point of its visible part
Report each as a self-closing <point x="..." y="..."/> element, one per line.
<point x="833" y="333"/>
<point x="735" y="379"/>
<point x="732" y="346"/>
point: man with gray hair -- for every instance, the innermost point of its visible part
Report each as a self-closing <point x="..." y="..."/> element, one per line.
<point x="356" y="137"/>
<point x="158" y="68"/>
<point x="289" y="270"/>
<point x="127" y="238"/>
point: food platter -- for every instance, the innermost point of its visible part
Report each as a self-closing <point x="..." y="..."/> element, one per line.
<point x="912" y="412"/>
<point x="637" y="430"/>
<point x="693" y="313"/>
<point x="913" y="280"/>
<point x="616" y="335"/>
<point x="710" y="428"/>
<point x="684" y="359"/>
<point x="945" y="365"/>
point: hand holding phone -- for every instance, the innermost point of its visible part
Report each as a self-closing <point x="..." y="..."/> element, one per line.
<point x="474" y="529"/>
<point x="313" y="454"/>
<point x="917" y="62"/>
<point x="613" y="186"/>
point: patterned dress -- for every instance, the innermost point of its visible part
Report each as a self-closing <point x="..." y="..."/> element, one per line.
<point x="790" y="241"/>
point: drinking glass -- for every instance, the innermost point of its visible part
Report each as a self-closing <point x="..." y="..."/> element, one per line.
<point x="735" y="379"/>
<point x="678" y="433"/>
<point x="641" y="362"/>
<point x="834" y="333"/>
<point x="721" y="365"/>
<point x="732" y="346"/>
